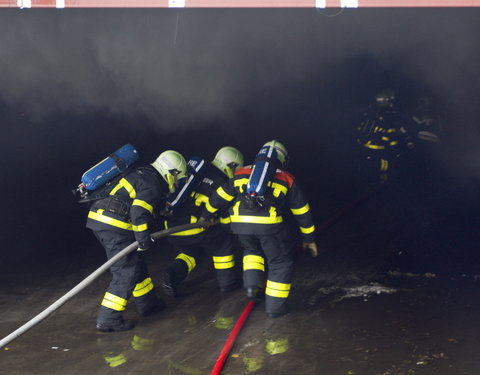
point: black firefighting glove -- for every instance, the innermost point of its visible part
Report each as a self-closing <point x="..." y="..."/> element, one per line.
<point x="143" y="246"/>
<point x="312" y="246"/>
<point x="211" y="221"/>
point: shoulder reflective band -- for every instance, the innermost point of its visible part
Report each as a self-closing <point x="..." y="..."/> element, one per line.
<point x="240" y="183"/>
<point x="123" y="183"/>
<point x="200" y="198"/>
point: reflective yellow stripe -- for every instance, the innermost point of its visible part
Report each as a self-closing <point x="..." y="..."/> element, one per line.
<point x="240" y="183"/>
<point x="210" y="208"/>
<point x="374" y="147"/>
<point x="109" y="220"/>
<point x="143" y="288"/>
<point x="200" y="198"/>
<point x="383" y="165"/>
<point x="127" y="186"/>
<point x="225" y="220"/>
<point x="279" y="290"/>
<point x="253" y="262"/>
<point x="140" y="228"/>
<point x="277" y="187"/>
<point x="222" y="263"/>
<point x="307" y="230"/>
<point x="147" y="206"/>
<point x="224" y="194"/>
<point x="392" y="130"/>
<point x="191" y="263"/>
<point x="301" y="211"/>
<point x="188" y="232"/>
<point x="272" y="219"/>
<point x="114" y="302"/>
<point x="393" y="143"/>
<point x="385" y="138"/>
<point x="256" y="219"/>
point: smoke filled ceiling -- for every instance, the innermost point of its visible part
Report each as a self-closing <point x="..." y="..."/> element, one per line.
<point x="77" y="84"/>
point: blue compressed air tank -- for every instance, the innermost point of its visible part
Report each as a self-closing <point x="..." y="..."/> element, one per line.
<point x="110" y="167"/>
<point x="263" y="168"/>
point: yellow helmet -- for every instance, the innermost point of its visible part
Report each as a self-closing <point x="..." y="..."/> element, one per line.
<point x="228" y="159"/>
<point x="172" y="167"/>
<point x="282" y="153"/>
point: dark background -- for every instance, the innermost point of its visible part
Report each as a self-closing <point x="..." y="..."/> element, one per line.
<point x="77" y="84"/>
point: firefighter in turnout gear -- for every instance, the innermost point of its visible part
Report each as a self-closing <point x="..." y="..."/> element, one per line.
<point x="126" y="216"/>
<point x="379" y="133"/>
<point x="192" y="245"/>
<point x="258" y="220"/>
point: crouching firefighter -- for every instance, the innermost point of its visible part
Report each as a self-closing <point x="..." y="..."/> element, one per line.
<point x="194" y="244"/>
<point x="125" y="215"/>
<point x="258" y="197"/>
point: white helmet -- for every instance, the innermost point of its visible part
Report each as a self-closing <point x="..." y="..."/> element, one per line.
<point x="282" y="153"/>
<point x="228" y="160"/>
<point x="172" y="167"/>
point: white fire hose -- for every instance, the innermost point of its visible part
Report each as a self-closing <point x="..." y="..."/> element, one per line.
<point x="89" y="279"/>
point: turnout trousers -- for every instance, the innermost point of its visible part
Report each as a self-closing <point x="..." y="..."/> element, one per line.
<point x="271" y="254"/>
<point x="129" y="278"/>
<point x="214" y="242"/>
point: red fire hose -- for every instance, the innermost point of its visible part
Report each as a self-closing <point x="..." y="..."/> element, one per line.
<point x="228" y="345"/>
<point x="238" y="326"/>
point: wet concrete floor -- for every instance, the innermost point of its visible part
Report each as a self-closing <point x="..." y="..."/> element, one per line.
<point x="390" y="294"/>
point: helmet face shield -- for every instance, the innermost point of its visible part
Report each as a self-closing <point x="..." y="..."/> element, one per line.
<point x="172" y="180"/>
<point x="231" y="168"/>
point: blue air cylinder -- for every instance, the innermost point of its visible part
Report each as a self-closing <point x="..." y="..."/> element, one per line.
<point x="110" y="167"/>
<point x="264" y="168"/>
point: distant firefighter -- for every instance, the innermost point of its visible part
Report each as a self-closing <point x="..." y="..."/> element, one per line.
<point x="381" y="134"/>
<point x="123" y="216"/>
<point x="425" y="122"/>
<point x="192" y="245"/>
<point x="259" y="196"/>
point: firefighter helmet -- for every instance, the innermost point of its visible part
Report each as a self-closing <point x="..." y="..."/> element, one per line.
<point x="385" y="97"/>
<point x="282" y="153"/>
<point x="172" y="167"/>
<point x="228" y="159"/>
